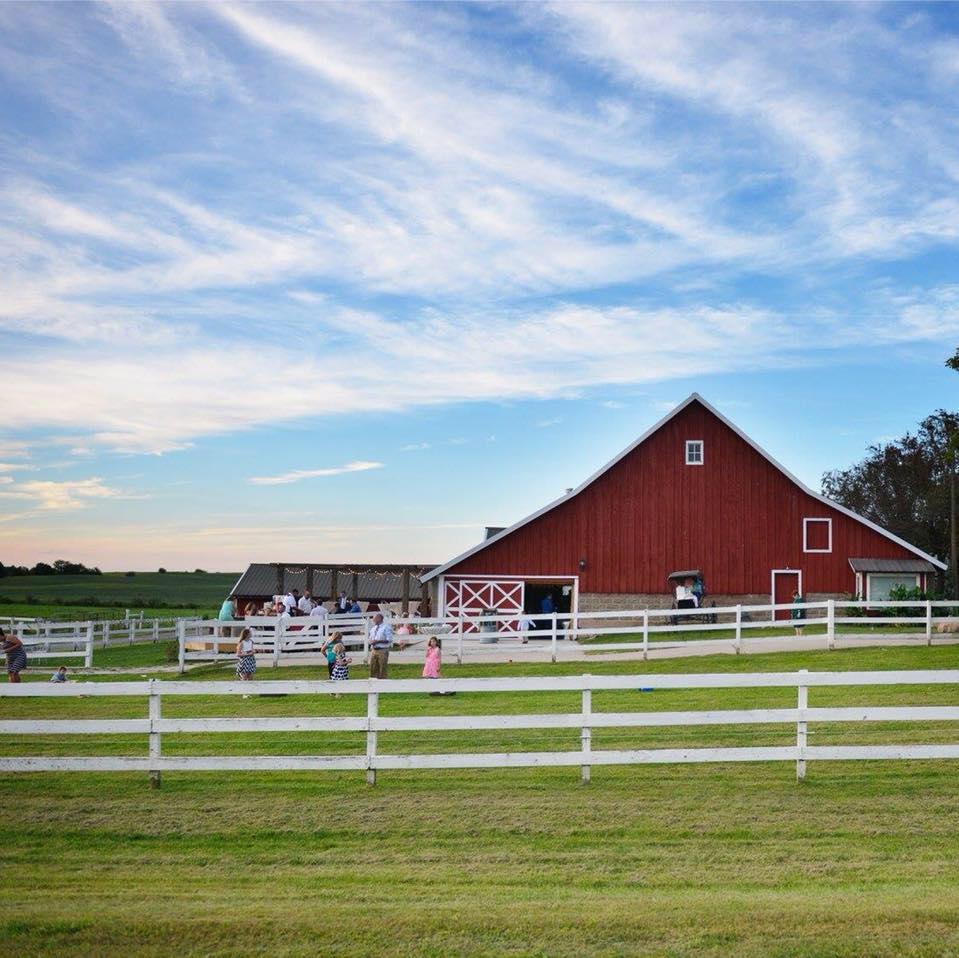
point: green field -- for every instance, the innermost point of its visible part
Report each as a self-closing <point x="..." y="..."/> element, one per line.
<point x="669" y="861"/>
<point x="82" y="597"/>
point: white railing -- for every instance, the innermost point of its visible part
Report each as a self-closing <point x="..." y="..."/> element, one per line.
<point x="468" y="635"/>
<point x="586" y="719"/>
<point x="57" y="640"/>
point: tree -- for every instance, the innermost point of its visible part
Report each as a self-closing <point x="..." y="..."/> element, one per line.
<point x="906" y="486"/>
<point x="953" y="361"/>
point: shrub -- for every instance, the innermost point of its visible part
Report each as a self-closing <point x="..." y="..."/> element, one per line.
<point x="161" y="570"/>
<point x="129" y="575"/>
<point x="171" y="651"/>
<point x="852" y="611"/>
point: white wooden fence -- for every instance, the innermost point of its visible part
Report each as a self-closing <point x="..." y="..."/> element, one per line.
<point x="154" y="725"/>
<point x="57" y="640"/>
<point x="465" y="635"/>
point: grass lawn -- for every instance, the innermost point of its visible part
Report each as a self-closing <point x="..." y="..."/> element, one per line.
<point x="659" y="860"/>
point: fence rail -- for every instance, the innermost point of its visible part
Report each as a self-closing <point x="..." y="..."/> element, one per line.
<point x="154" y="725"/>
<point x="278" y="638"/>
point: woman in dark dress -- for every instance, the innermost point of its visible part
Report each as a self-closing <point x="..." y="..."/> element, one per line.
<point x="16" y="655"/>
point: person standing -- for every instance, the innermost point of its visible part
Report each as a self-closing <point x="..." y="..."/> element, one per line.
<point x="797" y="614"/>
<point x="228" y="609"/>
<point x="342" y="606"/>
<point x="381" y="641"/>
<point x="245" y="658"/>
<point x="305" y="603"/>
<point x="431" y="667"/>
<point x="328" y="648"/>
<point x="291" y="599"/>
<point x="16" y="655"/>
<point x="523" y="624"/>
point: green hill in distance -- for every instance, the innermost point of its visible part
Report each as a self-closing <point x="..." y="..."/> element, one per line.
<point x="204" y="590"/>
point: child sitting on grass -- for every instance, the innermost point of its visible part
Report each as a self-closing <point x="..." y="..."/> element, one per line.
<point x="60" y="675"/>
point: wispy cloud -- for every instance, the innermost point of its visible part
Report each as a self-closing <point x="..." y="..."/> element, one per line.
<point x="66" y="496"/>
<point x="425" y="218"/>
<point x="300" y="474"/>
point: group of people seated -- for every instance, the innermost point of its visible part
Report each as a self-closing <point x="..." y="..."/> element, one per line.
<point x="290" y="605"/>
<point x="689" y="593"/>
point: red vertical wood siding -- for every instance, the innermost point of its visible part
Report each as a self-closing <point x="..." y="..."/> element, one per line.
<point x="736" y="517"/>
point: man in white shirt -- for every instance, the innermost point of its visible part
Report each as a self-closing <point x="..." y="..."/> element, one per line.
<point x="305" y="605"/>
<point x="319" y="611"/>
<point x="381" y="641"/>
<point x="290" y="600"/>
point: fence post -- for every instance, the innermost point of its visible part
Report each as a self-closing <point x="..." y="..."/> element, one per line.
<point x="181" y="641"/>
<point x="831" y="623"/>
<point x="278" y="631"/>
<point x="154" y="731"/>
<point x="106" y="633"/>
<point x="552" y="649"/>
<point x="133" y="630"/>
<point x="366" y="640"/>
<point x="645" y="634"/>
<point x="928" y="622"/>
<point x="156" y="631"/>
<point x="459" y="646"/>
<point x="739" y="629"/>
<point x="372" y="711"/>
<point x="88" y="656"/>
<point x="801" y="705"/>
<point x="587" y="730"/>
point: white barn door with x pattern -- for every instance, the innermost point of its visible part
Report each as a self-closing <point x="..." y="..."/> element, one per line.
<point x="469" y="597"/>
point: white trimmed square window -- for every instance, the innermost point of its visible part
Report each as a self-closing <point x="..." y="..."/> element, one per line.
<point x="817" y="535"/>
<point x="694" y="452"/>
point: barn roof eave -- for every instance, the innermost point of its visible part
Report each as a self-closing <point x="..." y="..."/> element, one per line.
<point x="693" y="397"/>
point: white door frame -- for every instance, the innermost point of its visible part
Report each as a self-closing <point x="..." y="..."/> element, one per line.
<point x="558" y="579"/>
<point x="772" y="591"/>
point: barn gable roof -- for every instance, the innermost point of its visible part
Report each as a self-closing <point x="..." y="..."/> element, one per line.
<point x="694" y="397"/>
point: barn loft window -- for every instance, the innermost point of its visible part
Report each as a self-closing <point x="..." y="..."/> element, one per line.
<point x="694" y="452"/>
<point x="816" y="535"/>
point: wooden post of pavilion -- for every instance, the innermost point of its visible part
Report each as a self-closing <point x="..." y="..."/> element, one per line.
<point x="405" y="591"/>
<point x="333" y="575"/>
<point x="309" y="580"/>
<point x="355" y="587"/>
<point x="280" y="578"/>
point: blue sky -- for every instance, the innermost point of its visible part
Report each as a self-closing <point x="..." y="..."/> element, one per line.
<point x="348" y="282"/>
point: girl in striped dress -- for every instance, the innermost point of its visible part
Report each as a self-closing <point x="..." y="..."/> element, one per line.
<point x="341" y="664"/>
<point x="16" y="655"/>
<point x="245" y="659"/>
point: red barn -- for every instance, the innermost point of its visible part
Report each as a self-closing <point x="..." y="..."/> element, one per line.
<point x="692" y="493"/>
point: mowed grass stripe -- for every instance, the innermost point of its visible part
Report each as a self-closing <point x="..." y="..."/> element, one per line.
<point x="666" y="861"/>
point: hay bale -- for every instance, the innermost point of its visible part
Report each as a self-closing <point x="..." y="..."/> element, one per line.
<point x="951" y="626"/>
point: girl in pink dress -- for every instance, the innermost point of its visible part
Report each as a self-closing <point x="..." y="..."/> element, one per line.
<point x="431" y="668"/>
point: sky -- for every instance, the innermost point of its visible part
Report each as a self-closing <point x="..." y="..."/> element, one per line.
<point x="347" y="282"/>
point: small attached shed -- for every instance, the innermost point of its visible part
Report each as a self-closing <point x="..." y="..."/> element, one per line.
<point x="876" y="578"/>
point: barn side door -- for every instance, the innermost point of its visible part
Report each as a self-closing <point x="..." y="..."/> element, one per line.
<point x="786" y="582"/>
